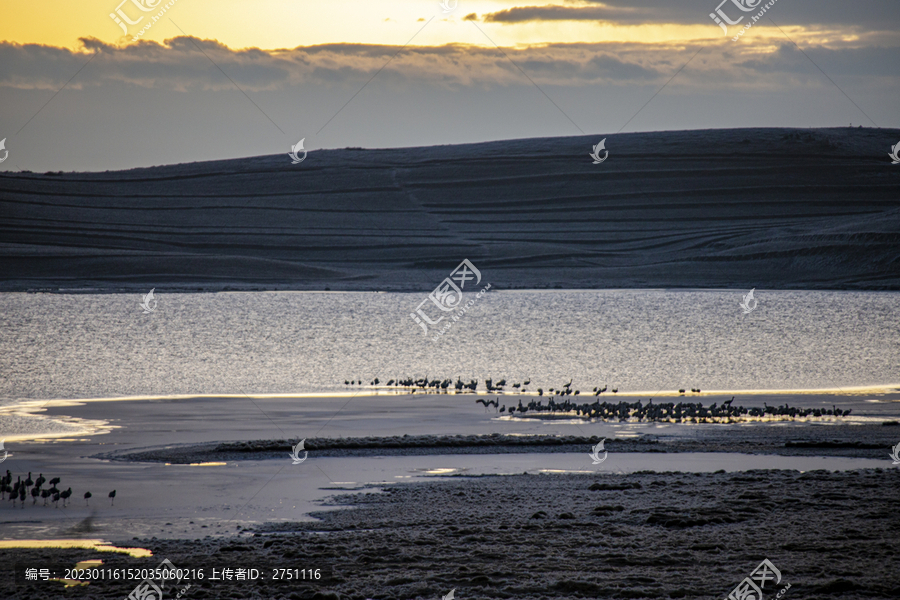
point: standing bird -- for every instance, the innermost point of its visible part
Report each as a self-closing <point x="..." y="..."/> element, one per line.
<point x="28" y="481"/>
<point x="45" y="494"/>
<point x="87" y="496"/>
<point x="56" y="499"/>
<point x="65" y="496"/>
<point x="22" y="495"/>
<point x="54" y="481"/>
<point x="35" y="492"/>
<point x="112" y="497"/>
<point x="40" y="480"/>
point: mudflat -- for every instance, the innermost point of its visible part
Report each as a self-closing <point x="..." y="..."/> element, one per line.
<point x="642" y="535"/>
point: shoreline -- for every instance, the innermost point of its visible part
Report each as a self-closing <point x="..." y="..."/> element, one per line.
<point x="367" y="391"/>
<point x="639" y="535"/>
<point x="832" y="441"/>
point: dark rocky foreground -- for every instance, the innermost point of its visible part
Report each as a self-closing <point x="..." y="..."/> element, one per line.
<point x="645" y="535"/>
<point x="766" y="208"/>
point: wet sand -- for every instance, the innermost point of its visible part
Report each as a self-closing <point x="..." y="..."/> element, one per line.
<point x="469" y="531"/>
<point x="784" y="439"/>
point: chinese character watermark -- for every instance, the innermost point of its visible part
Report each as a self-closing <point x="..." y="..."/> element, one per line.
<point x="123" y="20"/>
<point x="448" y="297"/>
<point x="751" y="588"/>
<point x="744" y="6"/>
<point x="152" y="588"/>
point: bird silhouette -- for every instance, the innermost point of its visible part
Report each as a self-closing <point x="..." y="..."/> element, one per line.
<point x="112" y="497"/>
<point x="87" y="497"/>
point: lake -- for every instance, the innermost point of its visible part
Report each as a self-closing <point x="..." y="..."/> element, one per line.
<point x="641" y="341"/>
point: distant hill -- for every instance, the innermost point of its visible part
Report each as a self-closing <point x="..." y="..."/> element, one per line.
<point x="741" y="208"/>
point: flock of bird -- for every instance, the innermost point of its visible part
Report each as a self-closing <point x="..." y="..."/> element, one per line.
<point x="500" y="386"/>
<point x="20" y="490"/>
<point x="557" y="401"/>
<point x="443" y="385"/>
<point x="665" y="412"/>
<point x="491" y="385"/>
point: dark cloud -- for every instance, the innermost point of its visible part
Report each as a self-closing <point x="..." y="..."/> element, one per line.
<point x="523" y="14"/>
<point x="870" y="14"/>
<point x="186" y="63"/>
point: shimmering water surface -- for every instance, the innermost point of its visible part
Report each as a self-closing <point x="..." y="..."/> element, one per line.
<point x="105" y="345"/>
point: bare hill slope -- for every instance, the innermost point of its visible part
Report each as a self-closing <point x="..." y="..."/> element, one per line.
<point x="742" y="208"/>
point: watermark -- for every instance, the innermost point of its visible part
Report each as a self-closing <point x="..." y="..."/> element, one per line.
<point x="448" y="296"/>
<point x="449" y="6"/>
<point x="123" y="20"/>
<point x="450" y="595"/>
<point x="748" y="588"/>
<point x="895" y="454"/>
<point x="5" y="156"/>
<point x="295" y="454"/>
<point x="749" y="303"/>
<point x="459" y="313"/>
<point x="165" y="574"/>
<point x="297" y="159"/>
<point x="596" y="450"/>
<point x="148" y="308"/>
<point x="6" y="453"/>
<point x="895" y="160"/>
<point x="162" y="582"/>
<point x="596" y="153"/>
<point x="746" y="6"/>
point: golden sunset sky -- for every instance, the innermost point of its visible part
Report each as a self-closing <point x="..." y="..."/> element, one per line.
<point x="274" y="24"/>
<point x="228" y="78"/>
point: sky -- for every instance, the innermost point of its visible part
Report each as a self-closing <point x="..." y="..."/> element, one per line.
<point x="219" y="79"/>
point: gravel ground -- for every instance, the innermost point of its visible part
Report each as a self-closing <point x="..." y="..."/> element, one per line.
<point x="644" y="535"/>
